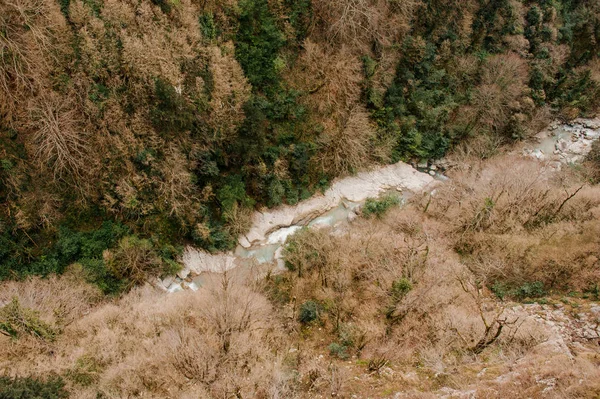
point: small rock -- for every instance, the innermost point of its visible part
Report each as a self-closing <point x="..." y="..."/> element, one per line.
<point x="244" y="242"/>
<point x="352" y="217"/>
<point x="537" y="153"/>
<point x="433" y="167"/>
<point x="422" y="165"/>
<point x="278" y="253"/>
<point x="192" y="286"/>
<point x="167" y="281"/>
<point x="183" y="273"/>
<point x="157" y="283"/>
<point x="432" y="172"/>
<point x="175" y="287"/>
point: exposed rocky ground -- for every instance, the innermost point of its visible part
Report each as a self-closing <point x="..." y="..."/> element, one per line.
<point x="564" y="143"/>
<point x="271" y="227"/>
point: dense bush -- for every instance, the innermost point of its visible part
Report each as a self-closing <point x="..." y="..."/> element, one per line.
<point x="309" y="312"/>
<point x="67" y="247"/>
<point x="593" y="163"/>
<point x="134" y="261"/>
<point x="32" y="388"/>
<point x="528" y="290"/>
<point x="15" y="320"/>
<point x="258" y="43"/>
<point x="378" y="207"/>
<point x="524" y="237"/>
<point x="338" y="350"/>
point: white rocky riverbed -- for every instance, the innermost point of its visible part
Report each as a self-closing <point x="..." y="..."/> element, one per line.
<point x="336" y="208"/>
<point x="567" y="143"/>
<point x="558" y="144"/>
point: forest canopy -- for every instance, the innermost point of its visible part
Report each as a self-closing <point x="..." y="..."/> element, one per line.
<point x="131" y="127"/>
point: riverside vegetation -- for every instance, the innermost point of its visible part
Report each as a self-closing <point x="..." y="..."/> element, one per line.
<point x="131" y="128"/>
<point x="430" y="299"/>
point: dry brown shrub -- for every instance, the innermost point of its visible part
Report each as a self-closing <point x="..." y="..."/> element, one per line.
<point x="503" y="83"/>
<point x="348" y="146"/>
<point x="437" y="323"/>
<point x="333" y="78"/>
<point x="27" y="47"/>
<point x="360" y="22"/>
<point x="474" y="149"/>
<point x="239" y="219"/>
<point x="490" y="197"/>
<point x="355" y="274"/>
<point x="60" y="141"/>
<point x="557" y="256"/>
<point x="175" y="185"/>
<point x="60" y="300"/>
<point x="153" y="44"/>
<point x="230" y="91"/>
<point x="134" y="260"/>
<point x="592" y="164"/>
<point x="219" y="342"/>
<point x="522" y="225"/>
<point x="539" y="120"/>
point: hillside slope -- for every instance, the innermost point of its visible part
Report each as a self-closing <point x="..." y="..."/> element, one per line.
<point x="141" y="125"/>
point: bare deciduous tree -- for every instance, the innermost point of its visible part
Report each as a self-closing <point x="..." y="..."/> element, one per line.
<point x="348" y="146"/>
<point x="59" y="139"/>
<point x="25" y="53"/>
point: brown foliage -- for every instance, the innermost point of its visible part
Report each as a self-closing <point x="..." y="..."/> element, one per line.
<point x="59" y="141"/>
<point x="348" y="137"/>
<point x="27" y="45"/>
<point x="361" y="22"/>
<point x="60" y="301"/>
<point x="503" y="84"/>
<point x="348" y="146"/>
<point x="522" y="225"/>
<point x="134" y="260"/>
<point x="231" y="90"/>
<point x="219" y="342"/>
